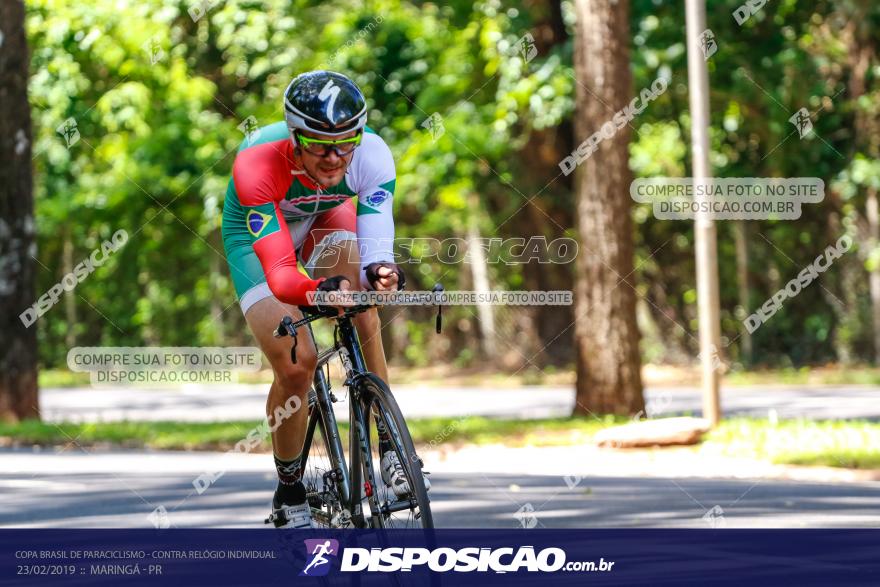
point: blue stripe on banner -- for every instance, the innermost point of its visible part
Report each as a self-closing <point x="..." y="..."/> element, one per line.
<point x="441" y="557"/>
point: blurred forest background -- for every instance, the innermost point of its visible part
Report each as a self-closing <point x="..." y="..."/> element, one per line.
<point x="159" y="91"/>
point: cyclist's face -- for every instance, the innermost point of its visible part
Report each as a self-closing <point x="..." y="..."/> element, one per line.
<point x="330" y="169"/>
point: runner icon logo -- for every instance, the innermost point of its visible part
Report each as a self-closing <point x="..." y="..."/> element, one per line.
<point x="318" y="551"/>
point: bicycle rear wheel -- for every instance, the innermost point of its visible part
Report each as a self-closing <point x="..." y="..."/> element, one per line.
<point x="414" y="510"/>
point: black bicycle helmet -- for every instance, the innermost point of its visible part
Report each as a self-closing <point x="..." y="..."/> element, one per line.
<point x="324" y="102"/>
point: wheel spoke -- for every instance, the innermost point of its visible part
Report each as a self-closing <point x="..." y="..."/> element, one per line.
<point x="318" y="473"/>
<point x="411" y="511"/>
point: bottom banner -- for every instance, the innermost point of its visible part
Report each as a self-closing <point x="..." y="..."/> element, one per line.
<point x="439" y="557"/>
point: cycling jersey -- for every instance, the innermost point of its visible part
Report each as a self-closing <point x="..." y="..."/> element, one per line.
<point x="268" y="192"/>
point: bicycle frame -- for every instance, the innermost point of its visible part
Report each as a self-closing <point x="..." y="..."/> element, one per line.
<point x="349" y="483"/>
<point x="348" y="478"/>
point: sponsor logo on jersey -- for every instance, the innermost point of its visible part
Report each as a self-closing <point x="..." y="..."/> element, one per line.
<point x="257" y="222"/>
<point x="377" y="197"/>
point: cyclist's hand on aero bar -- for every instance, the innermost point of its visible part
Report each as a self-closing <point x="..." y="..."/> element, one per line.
<point x="338" y="283"/>
<point x="386" y="276"/>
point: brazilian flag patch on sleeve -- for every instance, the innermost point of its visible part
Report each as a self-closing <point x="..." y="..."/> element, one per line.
<point x="261" y="221"/>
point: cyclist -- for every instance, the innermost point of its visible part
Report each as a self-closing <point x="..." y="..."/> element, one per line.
<point x="289" y="200"/>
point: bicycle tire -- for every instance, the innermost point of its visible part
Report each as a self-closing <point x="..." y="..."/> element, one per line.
<point x="377" y="392"/>
<point x="315" y="465"/>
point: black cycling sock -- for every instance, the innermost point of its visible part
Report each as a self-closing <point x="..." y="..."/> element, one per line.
<point x="294" y="494"/>
<point x="384" y="437"/>
<point x="289" y="472"/>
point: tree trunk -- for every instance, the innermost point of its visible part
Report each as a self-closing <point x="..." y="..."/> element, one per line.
<point x="18" y="343"/>
<point x="215" y="276"/>
<point x="537" y="163"/>
<point x="845" y="305"/>
<point x="69" y="298"/>
<point x="873" y="215"/>
<point x="740" y="235"/>
<point x="606" y="333"/>
<point x="859" y="40"/>
<point x="480" y="277"/>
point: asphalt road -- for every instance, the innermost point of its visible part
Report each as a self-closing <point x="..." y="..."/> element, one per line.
<point x="237" y="402"/>
<point x="74" y="488"/>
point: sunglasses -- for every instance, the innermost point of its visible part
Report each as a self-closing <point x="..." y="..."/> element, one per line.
<point x="322" y="148"/>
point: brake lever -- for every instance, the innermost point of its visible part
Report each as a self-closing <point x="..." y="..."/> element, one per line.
<point x="288" y="328"/>
<point x="438" y="325"/>
<point x="285" y="328"/>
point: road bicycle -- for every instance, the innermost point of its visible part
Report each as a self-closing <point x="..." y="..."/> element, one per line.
<point x="336" y="491"/>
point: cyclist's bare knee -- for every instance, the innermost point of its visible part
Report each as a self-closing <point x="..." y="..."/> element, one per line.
<point x="291" y="378"/>
<point x="295" y="378"/>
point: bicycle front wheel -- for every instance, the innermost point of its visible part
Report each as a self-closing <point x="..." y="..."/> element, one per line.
<point x="390" y="511"/>
<point x="323" y="467"/>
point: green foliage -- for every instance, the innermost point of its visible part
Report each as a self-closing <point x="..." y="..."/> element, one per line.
<point x="158" y="98"/>
<point x="787" y="56"/>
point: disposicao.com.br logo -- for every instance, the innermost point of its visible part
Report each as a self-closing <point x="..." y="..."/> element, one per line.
<point x="462" y="560"/>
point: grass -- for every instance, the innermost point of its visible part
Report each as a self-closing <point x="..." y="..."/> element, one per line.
<point x="224" y="435"/>
<point x="157" y="435"/>
<point x="479" y="430"/>
<point x="849" y="444"/>
<point x="830" y="375"/>
<point x="62" y="378"/>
